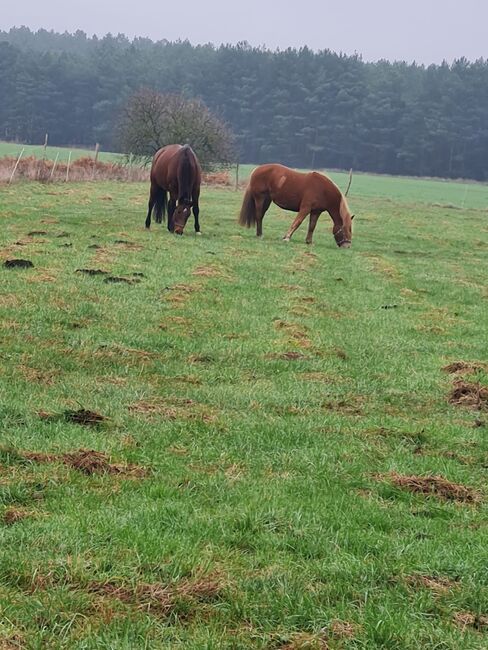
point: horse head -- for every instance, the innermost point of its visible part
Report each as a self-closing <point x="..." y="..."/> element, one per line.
<point x="181" y="214"/>
<point x="343" y="226"/>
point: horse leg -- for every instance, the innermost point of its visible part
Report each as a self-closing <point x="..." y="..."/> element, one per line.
<point x="152" y="201"/>
<point x="262" y="204"/>
<point x="311" y="226"/>
<point x="171" y="211"/>
<point x="296" y="223"/>
<point x="196" y="212"/>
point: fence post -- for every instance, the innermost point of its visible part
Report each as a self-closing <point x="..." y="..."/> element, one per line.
<point x="54" y="167"/>
<point x="97" y="147"/>
<point x="15" y="166"/>
<point x="67" y="167"/>
<point x="237" y="176"/>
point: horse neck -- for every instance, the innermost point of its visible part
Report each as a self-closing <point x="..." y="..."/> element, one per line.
<point x="185" y="173"/>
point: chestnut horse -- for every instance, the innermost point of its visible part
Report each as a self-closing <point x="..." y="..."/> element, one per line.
<point x="310" y="193"/>
<point x="175" y="169"/>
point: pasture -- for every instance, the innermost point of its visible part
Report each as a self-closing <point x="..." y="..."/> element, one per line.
<point x="223" y="442"/>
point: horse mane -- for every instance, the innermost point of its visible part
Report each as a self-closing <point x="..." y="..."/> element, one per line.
<point x="186" y="166"/>
<point x="344" y="210"/>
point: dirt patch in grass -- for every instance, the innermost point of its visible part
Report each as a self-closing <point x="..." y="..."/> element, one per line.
<point x="464" y="367"/>
<point x="117" y="351"/>
<point x="36" y="376"/>
<point x="13" y="515"/>
<point x="478" y="622"/>
<point x="18" y="264"/>
<point x="174" y="408"/>
<point x="92" y="271"/>
<point x="119" y="279"/>
<point x="434" y="583"/>
<point x="163" y="600"/>
<point x="84" y="417"/>
<point x="302" y="641"/>
<point x="209" y="272"/>
<point x="433" y="486"/>
<point x="296" y="334"/>
<point x="124" y="244"/>
<point x="15" y="642"/>
<point x="353" y="405"/>
<point x="339" y="629"/>
<point x="201" y="358"/>
<point x="471" y="395"/>
<point x="87" y="461"/>
<point x="286" y="356"/>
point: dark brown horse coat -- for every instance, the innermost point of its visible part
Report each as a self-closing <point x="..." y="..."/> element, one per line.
<point x="175" y="169"/>
<point x="308" y="194"/>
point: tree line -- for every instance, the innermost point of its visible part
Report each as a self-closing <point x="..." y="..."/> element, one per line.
<point x="295" y="106"/>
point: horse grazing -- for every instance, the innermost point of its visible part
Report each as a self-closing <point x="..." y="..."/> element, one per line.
<point x="310" y="193"/>
<point x="175" y="169"/>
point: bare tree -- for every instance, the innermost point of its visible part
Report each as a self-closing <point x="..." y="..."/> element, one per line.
<point x="151" y="120"/>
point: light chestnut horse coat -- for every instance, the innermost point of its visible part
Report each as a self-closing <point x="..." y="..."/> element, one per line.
<point x="306" y="193"/>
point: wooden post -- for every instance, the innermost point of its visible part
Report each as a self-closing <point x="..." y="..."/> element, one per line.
<point x="45" y="146"/>
<point x="97" y="147"/>
<point x="237" y="176"/>
<point x="129" y="173"/>
<point x="54" y="167"/>
<point x="67" y="168"/>
<point x="15" y="166"/>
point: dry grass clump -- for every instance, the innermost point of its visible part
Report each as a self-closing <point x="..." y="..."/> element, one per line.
<point x="434" y="486"/>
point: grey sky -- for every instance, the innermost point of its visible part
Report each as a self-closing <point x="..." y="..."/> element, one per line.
<point x="422" y="30"/>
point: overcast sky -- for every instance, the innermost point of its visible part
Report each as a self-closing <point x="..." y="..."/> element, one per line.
<point x="426" y="31"/>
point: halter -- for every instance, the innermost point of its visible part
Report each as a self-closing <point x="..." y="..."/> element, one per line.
<point x="343" y="241"/>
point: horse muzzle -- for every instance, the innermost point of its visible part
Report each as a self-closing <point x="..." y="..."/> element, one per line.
<point x="178" y="230"/>
<point x="345" y="244"/>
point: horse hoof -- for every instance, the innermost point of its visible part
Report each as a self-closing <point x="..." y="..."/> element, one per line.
<point x="287" y="239"/>
<point x="198" y="233"/>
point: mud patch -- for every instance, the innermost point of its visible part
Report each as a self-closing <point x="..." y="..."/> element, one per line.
<point x="353" y="405"/>
<point x="124" y="244"/>
<point x="201" y="358"/>
<point x="302" y="641"/>
<point x="84" y="417"/>
<point x="343" y="629"/>
<point x="175" y="408"/>
<point x="286" y="356"/>
<point x="37" y="376"/>
<point x="436" y="486"/>
<point x="475" y="621"/>
<point x="464" y="367"/>
<point x="115" y="279"/>
<point x="15" y="642"/>
<point x="296" y="334"/>
<point x="209" y="272"/>
<point x="437" y="584"/>
<point x="18" y="264"/>
<point x="470" y="395"/>
<point x="163" y="600"/>
<point x="13" y="515"/>
<point x="92" y="271"/>
<point x="88" y="461"/>
<point x="34" y="233"/>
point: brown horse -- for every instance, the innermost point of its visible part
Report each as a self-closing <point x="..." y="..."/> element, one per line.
<point x="310" y="193"/>
<point x="175" y="169"/>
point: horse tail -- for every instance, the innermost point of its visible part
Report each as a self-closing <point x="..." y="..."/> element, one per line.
<point x="185" y="173"/>
<point x="160" y="205"/>
<point x="247" y="216"/>
<point x="349" y="184"/>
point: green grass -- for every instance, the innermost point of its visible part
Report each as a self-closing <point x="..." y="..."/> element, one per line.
<point x="13" y="149"/>
<point x="267" y="514"/>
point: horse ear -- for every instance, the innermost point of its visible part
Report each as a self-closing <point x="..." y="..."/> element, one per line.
<point x="352" y="217"/>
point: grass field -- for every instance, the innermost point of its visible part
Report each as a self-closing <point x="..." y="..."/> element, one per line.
<point x="280" y="465"/>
